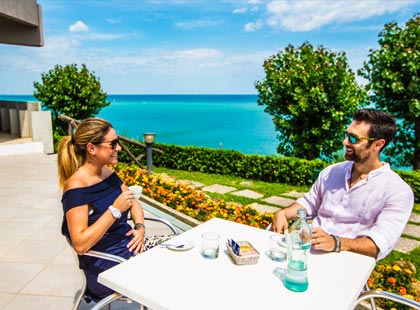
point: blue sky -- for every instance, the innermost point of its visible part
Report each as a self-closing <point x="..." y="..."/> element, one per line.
<point x="192" y="46"/>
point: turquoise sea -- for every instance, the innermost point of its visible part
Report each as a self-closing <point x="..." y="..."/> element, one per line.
<point x="232" y="122"/>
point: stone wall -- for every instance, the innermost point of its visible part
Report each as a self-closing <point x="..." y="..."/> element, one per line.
<point x="26" y="120"/>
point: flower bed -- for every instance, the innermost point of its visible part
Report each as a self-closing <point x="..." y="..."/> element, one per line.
<point x="188" y="200"/>
<point x="398" y="278"/>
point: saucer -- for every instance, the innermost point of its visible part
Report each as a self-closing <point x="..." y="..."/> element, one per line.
<point x="176" y="246"/>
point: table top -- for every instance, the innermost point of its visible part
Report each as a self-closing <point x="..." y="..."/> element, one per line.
<point x="161" y="278"/>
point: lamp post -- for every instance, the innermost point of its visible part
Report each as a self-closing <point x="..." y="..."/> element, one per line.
<point x="149" y="138"/>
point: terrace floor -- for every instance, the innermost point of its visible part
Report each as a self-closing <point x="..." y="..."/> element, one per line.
<point x="38" y="269"/>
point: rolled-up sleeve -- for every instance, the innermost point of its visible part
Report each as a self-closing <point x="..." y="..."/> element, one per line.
<point x="391" y="222"/>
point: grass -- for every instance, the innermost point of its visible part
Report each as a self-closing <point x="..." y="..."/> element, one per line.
<point x="265" y="188"/>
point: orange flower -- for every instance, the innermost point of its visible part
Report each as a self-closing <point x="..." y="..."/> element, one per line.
<point x="393" y="281"/>
<point x="403" y="290"/>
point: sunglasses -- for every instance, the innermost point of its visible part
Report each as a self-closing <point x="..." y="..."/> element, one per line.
<point x="354" y="138"/>
<point x="112" y="143"/>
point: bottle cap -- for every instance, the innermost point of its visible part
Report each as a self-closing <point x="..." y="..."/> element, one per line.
<point x="301" y="213"/>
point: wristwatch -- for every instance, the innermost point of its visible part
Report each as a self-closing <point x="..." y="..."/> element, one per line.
<point x="337" y="241"/>
<point x="115" y="212"/>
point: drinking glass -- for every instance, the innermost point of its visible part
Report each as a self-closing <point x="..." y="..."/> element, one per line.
<point x="210" y="245"/>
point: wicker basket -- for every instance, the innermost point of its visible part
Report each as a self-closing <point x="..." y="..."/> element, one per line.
<point x="248" y="259"/>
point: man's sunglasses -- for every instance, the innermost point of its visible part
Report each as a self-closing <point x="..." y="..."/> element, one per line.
<point x="354" y="138"/>
<point x="112" y="143"/>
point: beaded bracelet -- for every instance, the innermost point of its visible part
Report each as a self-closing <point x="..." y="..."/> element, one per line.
<point x="138" y="225"/>
<point x="337" y="241"/>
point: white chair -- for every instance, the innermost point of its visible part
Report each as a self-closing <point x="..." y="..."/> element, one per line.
<point x="114" y="296"/>
<point x="372" y="295"/>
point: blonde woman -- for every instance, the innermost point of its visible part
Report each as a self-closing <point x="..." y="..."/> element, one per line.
<point x="96" y="202"/>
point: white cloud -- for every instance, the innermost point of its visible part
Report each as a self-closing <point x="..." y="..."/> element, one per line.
<point x="240" y="10"/>
<point x="195" y="54"/>
<point x="100" y="36"/>
<point x="79" y="26"/>
<point x="200" y="23"/>
<point x="306" y="15"/>
<point x="250" y="27"/>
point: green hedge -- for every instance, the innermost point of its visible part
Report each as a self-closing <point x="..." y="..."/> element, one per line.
<point x="272" y="168"/>
<point x="413" y="179"/>
<point x="257" y="167"/>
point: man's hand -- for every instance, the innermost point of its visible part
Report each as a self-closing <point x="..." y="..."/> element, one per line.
<point x="322" y="241"/>
<point x="280" y="223"/>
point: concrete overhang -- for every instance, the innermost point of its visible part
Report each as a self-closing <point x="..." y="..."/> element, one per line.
<point x="21" y="23"/>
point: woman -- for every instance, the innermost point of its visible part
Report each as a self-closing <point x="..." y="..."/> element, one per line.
<point x="96" y="202"/>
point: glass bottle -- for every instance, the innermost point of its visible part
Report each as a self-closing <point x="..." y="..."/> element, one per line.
<point x="299" y="243"/>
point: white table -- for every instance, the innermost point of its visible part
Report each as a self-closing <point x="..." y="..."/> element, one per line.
<point x="165" y="279"/>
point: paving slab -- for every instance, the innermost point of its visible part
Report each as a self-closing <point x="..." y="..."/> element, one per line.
<point x="415" y="218"/>
<point x="406" y="245"/>
<point x="192" y="183"/>
<point x="412" y="230"/>
<point x="217" y="188"/>
<point x="246" y="183"/>
<point x="295" y="194"/>
<point x="248" y="193"/>
<point x="279" y="201"/>
<point x="264" y="208"/>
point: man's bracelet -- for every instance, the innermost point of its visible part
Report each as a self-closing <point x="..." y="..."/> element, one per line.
<point x="337" y="241"/>
<point x="138" y="225"/>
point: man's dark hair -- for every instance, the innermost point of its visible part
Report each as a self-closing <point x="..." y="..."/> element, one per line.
<point x="382" y="125"/>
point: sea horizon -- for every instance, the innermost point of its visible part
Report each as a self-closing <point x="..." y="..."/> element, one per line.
<point x="218" y="121"/>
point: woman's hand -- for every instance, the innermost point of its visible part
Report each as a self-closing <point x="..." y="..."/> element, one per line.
<point x="136" y="244"/>
<point x="124" y="201"/>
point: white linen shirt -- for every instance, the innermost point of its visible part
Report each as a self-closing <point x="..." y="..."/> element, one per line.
<point x="378" y="206"/>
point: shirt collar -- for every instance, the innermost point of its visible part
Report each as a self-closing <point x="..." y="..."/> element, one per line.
<point x="386" y="167"/>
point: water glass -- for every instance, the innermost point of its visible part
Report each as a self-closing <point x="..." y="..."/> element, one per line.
<point x="278" y="248"/>
<point x="210" y="245"/>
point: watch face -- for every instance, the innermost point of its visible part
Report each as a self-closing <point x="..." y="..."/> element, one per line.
<point x="115" y="212"/>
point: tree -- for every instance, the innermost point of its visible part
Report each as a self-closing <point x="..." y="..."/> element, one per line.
<point x="70" y="91"/>
<point x="393" y="72"/>
<point x="312" y="95"/>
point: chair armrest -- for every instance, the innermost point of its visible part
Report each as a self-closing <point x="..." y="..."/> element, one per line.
<point x="163" y="221"/>
<point x="388" y="295"/>
<point x="119" y="259"/>
<point x="106" y="256"/>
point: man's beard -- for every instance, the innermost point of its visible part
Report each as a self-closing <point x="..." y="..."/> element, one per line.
<point x="356" y="157"/>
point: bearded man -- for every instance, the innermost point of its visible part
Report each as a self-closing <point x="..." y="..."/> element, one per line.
<point x="359" y="205"/>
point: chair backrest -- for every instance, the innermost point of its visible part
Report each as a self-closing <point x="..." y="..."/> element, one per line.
<point x="387" y="295"/>
<point x="107" y="300"/>
<point x="82" y="295"/>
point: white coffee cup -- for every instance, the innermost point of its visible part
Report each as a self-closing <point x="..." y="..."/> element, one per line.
<point x="136" y="190"/>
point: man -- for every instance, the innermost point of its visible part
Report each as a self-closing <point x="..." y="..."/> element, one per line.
<point x="359" y="205"/>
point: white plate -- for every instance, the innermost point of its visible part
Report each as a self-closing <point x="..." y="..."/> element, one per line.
<point x="187" y="244"/>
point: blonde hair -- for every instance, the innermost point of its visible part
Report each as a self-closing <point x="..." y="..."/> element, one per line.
<point x="72" y="149"/>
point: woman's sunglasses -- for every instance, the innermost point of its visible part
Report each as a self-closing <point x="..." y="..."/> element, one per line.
<point x="112" y="143"/>
<point x="354" y="138"/>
